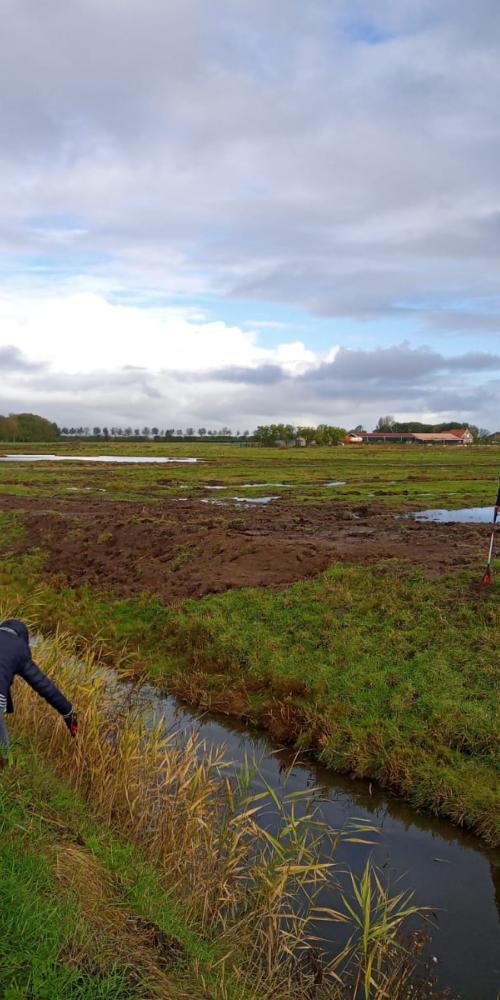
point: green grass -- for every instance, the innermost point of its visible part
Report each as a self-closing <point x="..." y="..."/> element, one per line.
<point x="50" y="948"/>
<point x="383" y="672"/>
<point x="45" y="941"/>
<point x="389" y="475"/>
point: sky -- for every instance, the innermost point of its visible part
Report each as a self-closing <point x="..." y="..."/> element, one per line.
<point x="243" y="211"/>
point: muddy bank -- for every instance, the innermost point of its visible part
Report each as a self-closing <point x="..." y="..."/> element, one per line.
<point x="184" y="548"/>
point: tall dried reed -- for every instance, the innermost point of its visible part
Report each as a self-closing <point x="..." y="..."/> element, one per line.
<point x="256" y="891"/>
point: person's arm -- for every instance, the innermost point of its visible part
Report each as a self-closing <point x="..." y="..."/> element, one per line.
<point x="46" y="688"/>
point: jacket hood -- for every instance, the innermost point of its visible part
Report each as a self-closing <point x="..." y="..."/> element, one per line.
<point x="17" y="626"/>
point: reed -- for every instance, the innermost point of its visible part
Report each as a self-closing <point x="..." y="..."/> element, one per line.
<point x="257" y="893"/>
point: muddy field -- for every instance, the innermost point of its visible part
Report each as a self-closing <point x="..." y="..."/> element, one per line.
<point x="185" y="548"/>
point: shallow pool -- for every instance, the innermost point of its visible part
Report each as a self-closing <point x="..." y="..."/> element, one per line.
<point x="117" y="459"/>
<point x="466" y="515"/>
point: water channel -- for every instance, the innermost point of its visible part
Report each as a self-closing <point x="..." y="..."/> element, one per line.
<point x="449" y="869"/>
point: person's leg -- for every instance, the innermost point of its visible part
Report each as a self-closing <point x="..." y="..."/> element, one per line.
<point x="4" y="739"/>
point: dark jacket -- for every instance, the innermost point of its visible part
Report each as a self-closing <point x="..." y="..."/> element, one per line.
<point x="15" y="658"/>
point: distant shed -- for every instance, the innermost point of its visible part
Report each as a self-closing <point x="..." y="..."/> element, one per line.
<point x="459" y="436"/>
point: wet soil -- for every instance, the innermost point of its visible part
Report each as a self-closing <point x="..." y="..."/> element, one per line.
<point x="182" y="548"/>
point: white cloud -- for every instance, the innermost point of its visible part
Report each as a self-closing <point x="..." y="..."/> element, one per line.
<point x="80" y="359"/>
<point x="84" y="332"/>
<point x="338" y="155"/>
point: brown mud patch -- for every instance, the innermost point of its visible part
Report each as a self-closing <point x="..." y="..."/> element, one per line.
<point x="182" y="548"/>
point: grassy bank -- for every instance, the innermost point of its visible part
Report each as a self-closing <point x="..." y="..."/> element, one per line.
<point x="379" y="670"/>
<point x="131" y="867"/>
<point x="81" y="915"/>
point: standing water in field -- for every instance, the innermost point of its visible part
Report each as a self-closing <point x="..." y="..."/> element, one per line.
<point x="117" y="459"/>
<point x="242" y="501"/>
<point x="449" y="869"/>
<point x="467" y="515"/>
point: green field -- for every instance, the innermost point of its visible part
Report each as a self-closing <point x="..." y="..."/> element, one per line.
<point x="383" y="670"/>
<point x="393" y="476"/>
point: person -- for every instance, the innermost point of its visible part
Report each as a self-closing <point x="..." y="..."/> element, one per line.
<point x="16" y="659"/>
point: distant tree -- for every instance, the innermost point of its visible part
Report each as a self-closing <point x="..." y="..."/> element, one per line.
<point x="137" y="432"/>
<point x="326" y="434"/>
<point x="105" y="432"/>
<point x="308" y="433"/>
<point x="179" y="433"/>
<point x="189" y="431"/>
<point x="96" y="431"/>
<point x="385" y="423"/>
<point x="128" y="432"/>
<point x="9" y="428"/>
<point x="268" y="434"/>
<point x="27" y="427"/>
<point x="146" y="431"/>
<point x="413" y="427"/>
<point x="64" y="431"/>
<point x="154" y="431"/>
<point x="169" y="432"/>
<point x="359" y="429"/>
<point x="202" y="431"/>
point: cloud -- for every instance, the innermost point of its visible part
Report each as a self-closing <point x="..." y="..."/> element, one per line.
<point x="160" y="366"/>
<point x="339" y="156"/>
<point x="13" y="360"/>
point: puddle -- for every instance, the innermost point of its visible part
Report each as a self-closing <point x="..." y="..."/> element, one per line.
<point x="336" y="482"/>
<point x="248" y="486"/>
<point x="467" y="515"/>
<point x="116" y="459"/>
<point x="241" y="501"/>
<point x="254" y="500"/>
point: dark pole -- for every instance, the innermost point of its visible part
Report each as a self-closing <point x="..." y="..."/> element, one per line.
<point x="488" y="575"/>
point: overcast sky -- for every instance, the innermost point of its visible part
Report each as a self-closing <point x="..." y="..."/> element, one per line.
<point x="250" y="210"/>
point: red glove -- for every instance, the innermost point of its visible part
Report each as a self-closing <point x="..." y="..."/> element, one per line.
<point x="71" y="721"/>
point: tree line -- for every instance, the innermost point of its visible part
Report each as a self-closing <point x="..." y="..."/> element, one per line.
<point x="150" y="432"/>
<point x="268" y="434"/>
<point x="26" y="427"/>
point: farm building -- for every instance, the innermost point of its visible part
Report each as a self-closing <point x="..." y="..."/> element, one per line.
<point x="459" y="436"/>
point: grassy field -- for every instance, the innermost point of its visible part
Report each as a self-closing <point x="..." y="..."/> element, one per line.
<point x="381" y="670"/>
<point x="393" y="476"/>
